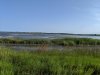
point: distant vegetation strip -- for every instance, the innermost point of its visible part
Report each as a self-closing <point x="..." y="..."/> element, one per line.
<point x="61" y="42"/>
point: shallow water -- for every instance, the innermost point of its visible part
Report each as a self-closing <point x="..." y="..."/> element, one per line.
<point x="42" y="35"/>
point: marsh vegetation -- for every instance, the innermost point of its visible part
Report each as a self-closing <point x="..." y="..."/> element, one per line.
<point x="62" y="41"/>
<point x="55" y="62"/>
<point x="77" y="62"/>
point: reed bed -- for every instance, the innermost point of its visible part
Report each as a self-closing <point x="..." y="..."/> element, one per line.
<point x="60" y="41"/>
<point x="76" y="62"/>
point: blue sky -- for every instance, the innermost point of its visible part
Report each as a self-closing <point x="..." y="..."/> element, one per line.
<point x="64" y="16"/>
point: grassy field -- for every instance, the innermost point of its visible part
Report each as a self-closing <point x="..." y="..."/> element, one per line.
<point x="77" y="62"/>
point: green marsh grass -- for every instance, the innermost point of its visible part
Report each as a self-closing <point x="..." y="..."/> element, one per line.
<point x="59" y="41"/>
<point x="77" y="62"/>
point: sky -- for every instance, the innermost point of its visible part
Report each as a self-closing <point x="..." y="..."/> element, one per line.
<point x="51" y="16"/>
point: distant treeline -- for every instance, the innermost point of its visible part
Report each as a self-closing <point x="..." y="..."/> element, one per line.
<point x="62" y="42"/>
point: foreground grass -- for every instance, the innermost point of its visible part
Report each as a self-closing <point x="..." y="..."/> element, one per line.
<point x="77" y="62"/>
